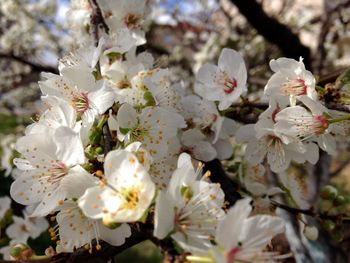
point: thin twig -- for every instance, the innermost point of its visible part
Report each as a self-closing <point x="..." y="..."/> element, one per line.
<point x="35" y="67"/>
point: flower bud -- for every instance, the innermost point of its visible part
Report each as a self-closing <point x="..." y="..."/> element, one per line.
<point x="99" y="150"/>
<point x="338" y="234"/>
<point x="21" y="252"/>
<point x="329" y="192"/>
<point x="311" y="232"/>
<point x="329" y="225"/>
<point x="339" y="200"/>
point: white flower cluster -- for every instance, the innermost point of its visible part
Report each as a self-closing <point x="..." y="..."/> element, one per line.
<point x="112" y="96"/>
<point x="295" y="125"/>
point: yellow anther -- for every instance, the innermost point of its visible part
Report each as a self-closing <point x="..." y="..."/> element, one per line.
<point x="99" y="173"/>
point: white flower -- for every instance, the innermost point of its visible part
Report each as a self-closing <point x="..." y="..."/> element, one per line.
<point x="195" y="142"/>
<point x="126" y="14"/>
<point x="297" y="186"/>
<point x="162" y="169"/>
<point x="189" y="208"/>
<point x="223" y="145"/>
<point x="7" y="146"/>
<point x="307" y="124"/>
<point x="202" y="113"/>
<point x="127" y="77"/>
<point x="142" y="155"/>
<point x="76" y="230"/>
<point x="86" y="56"/>
<point x="50" y="170"/>
<point x="290" y="81"/>
<point x="60" y="114"/>
<point x="28" y="227"/>
<point x="164" y="94"/>
<point x="225" y="82"/>
<point x="154" y="127"/>
<point x="241" y="238"/>
<point x="77" y="85"/>
<point x="253" y="179"/>
<point x="5" y="205"/>
<point x="263" y="139"/>
<point x="279" y="154"/>
<point x="125" y="192"/>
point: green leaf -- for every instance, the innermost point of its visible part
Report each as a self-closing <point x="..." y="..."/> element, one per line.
<point x="124" y="130"/>
<point x="343" y="79"/>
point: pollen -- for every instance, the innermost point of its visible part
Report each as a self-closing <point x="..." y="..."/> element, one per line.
<point x="99" y="173"/>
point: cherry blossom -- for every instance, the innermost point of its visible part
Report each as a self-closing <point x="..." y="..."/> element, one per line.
<point x="123" y="195"/>
<point x="189" y="208"/>
<point x="50" y="171"/>
<point x="225" y="82"/>
<point x="290" y="81"/>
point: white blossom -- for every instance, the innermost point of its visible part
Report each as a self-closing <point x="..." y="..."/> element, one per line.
<point x="76" y="230"/>
<point x="290" y="81"/>
<point x="225" y="82"/>
<point x="125" y="192"/>
<point x="50" y="171"/>
<point x="189" y="208"/>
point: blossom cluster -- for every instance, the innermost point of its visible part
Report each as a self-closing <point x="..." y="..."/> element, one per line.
<point x="296" y="124"/>
<point x="120" y="143"/>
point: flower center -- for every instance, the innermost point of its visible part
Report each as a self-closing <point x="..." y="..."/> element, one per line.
<point x="294" y="87"/>
<point x="123" y="84"/>
<point x="132" y="21"/>
<point x="57" y="172"/>
<point x="131" y="197"/>
<point x="81" y="102"/>
<point x="230" y="84"/>
<point x="24" y="228"/>
<point x="321" y="124"/>
<point x="274" y="113"/>
<point x="231" y="254"/>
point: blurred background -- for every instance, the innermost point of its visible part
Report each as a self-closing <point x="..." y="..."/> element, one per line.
<point x="183" y="35"/>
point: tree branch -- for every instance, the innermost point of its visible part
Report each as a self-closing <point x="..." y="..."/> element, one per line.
<point x="273" y="31"/>
<point x="35" y="67"/>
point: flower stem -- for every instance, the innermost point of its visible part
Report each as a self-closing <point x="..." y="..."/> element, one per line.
<point x="102" y="121"/>
<point x="339" y="119"/>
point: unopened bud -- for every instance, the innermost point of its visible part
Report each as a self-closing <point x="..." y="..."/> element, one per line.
<point x="328" y="192"/>
<point x="340" y="200"/>
<point x="21" y="252"/>
<point x="329" y="225"/>
<point x="311" y="232"/>
<point x="338" y="234"/>
<point x="50" y="251"/>
<point x="99" y="150"/>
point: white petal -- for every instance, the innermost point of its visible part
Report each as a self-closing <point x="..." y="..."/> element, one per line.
<point x="115" y="237"/>
<point x="164" y="215"/>
<point x="69" y="146"/>
<point x="258" y="231"/>
<point x="229" y="229"/>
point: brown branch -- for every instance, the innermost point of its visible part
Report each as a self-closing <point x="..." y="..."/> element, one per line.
<point x="97" y="20"/>
<point x="35" y="67"/>
<point x="273" y="31"/>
